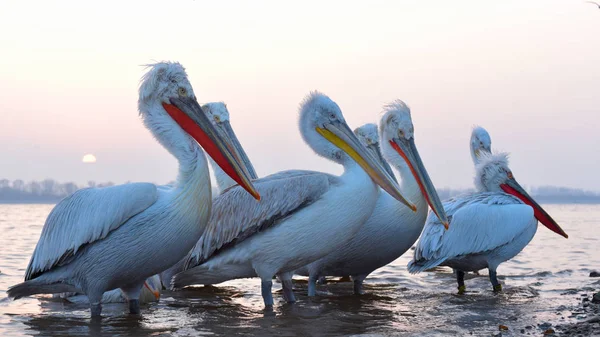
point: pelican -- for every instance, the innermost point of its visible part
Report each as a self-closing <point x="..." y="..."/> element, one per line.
<point x="99" y="239"/>
<point x="303" y="215"/>
<point x="391" y="230"/>
<point x="218" y="114"/>
<point x="487" y="228"/>
<point x="150" y="293"/>
<point x="480" y="142"/>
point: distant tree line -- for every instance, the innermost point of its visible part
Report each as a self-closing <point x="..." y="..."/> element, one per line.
<point x="51" y="191"/>
<point x="45" y="191"/>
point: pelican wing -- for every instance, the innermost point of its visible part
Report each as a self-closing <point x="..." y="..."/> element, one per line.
<point x="478" y="223"/>
<point x="236" y="216"/>
<point x="86" y="216"/>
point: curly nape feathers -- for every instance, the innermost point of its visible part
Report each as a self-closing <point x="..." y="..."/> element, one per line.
<point x="489" y="166"/>
<point x="156" y="79"/>
<point x="396" y="105"/>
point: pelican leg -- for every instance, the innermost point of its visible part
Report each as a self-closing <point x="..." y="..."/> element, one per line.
<point x="95" y="304"/>
<point x="266" y="292"/>
<point x="460" y="278"/>
<point x="312" y="285"/>
<point x="494" y="279"/>
<point x="134" y="307"/>
<point x="133" y="298"/>
<point x="288" y="288"/>
<point x="358" y="287"/>
<point x="96" y="309"/>
<point x="358" y="284"/>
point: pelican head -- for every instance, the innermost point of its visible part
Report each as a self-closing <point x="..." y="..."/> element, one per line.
<point x="219" y="115"/>
<point x="494" y="175"/>
<point x="151" y="290"/>
<point x="397" y="138"/>
<point x="480" y="141"/>
<point x="369" y="137"/>
<point x="167" y="103"/>
<point x="324" y="129"/>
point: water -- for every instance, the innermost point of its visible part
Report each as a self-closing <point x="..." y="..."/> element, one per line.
<point x="542" y="284"/>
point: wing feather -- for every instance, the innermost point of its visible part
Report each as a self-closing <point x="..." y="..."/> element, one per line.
<point x="236" y="216"/>
<point x="478" y="223"/>
<point x="86" y="216"/>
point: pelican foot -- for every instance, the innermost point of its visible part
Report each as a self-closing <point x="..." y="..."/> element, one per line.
<point x="462" y="289"/>
<point x="497" y="288"/>
<point x="134" y="307"/>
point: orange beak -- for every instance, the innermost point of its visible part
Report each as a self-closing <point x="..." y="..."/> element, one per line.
<point x="154" y="292"/>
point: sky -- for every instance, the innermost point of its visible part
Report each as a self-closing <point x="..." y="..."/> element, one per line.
<point x="527" y="71"/>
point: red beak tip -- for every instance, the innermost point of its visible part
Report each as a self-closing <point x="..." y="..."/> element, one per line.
<point x="446" y="225"/>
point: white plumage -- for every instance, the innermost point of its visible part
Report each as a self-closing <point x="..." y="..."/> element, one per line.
<point x="303" y="215"/>
<point x="390" y="230"/>
<point x="486" y="228"/>
<point x="149" y="293"/>
<point x="82" y="218"/>
<point x="100" y="239"/>
<point x="218" y="114"/>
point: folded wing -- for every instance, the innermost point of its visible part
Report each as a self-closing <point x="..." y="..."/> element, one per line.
<point x="86" y="216"/>
<point x="236" y="216"/>
<point x="479" y="223"/>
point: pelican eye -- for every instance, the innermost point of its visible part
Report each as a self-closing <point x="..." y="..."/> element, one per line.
<point x="217" y="119"/>
<point x="182" y="92"/>
<point x="509" y="175"/>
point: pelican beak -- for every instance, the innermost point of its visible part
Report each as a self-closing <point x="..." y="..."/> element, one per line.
<point x="154" y="292"/>
<point x="226" y="129"/>
<point x="376" y="152"/>
<point x="340" y="135"/>
<point x="485" y="149"/>
<point x="407" y="149"/>
<point x="512" y="187"/>
<point x="189" y="115"/>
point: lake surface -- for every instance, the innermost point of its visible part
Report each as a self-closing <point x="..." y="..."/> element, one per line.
<point x="541" y="284"/>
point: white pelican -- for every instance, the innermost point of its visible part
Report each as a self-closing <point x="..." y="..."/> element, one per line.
<point x="100" y="239"/>
<point x="150" y="293"/>
<point x="480" y="141"/>
<point x="486" y="228"/>
<point x="218" y="114"/>
<point x="303" y="215"/>
<point x="391" y="230"/>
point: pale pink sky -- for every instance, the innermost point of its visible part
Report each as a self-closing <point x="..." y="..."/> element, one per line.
<point x="528" y="71"/>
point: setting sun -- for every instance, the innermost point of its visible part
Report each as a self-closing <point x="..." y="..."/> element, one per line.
<point x="89" y="159"/>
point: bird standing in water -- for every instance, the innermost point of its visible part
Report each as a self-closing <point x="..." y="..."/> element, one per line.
<point x="99" y="239"/>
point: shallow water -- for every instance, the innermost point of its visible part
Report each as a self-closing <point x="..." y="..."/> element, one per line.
<point x="540" y="285"/>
